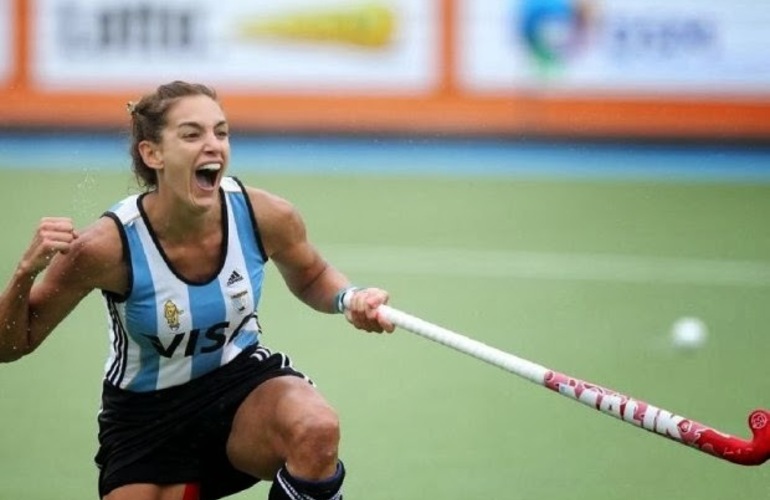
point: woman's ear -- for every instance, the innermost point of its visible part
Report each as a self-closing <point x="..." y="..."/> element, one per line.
<point x="151" y="156"/>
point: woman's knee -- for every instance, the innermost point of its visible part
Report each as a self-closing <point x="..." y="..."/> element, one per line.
<point x="284" y="421"/>
<point x="315" y="429"/>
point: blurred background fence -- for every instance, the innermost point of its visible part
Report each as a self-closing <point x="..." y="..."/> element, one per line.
<point x="639" y="69"/>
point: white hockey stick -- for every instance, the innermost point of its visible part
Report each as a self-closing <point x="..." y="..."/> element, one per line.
<point x="643" y="415"/>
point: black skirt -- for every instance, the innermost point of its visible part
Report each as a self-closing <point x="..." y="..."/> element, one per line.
<point x="179" y="434"/>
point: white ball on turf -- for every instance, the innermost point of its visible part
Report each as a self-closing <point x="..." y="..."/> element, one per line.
<point x="689" y="333"/>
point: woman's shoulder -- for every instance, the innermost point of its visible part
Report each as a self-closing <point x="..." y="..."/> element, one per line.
<point x="98" y="253"/>
<point x="268" y="204"/>
<point x="280" y="223"/>
<point x="102" y="234"/>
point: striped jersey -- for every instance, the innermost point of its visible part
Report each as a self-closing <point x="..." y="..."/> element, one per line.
<point x="167" y="330"/>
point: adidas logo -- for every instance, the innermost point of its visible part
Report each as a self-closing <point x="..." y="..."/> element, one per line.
<point x="234" y="278"/>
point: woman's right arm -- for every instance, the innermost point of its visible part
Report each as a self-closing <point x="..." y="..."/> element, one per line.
<point x="35" y="302"/>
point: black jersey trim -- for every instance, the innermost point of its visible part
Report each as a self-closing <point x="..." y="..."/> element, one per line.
<point x="117" y="371"/>
<point x="253" y="217"/>
<point x="126" y="256"/>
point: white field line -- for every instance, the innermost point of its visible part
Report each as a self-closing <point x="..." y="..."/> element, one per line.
<point x="460" y="262"/>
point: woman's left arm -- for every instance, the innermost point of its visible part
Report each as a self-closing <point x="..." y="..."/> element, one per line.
<point x="307" y="274"/>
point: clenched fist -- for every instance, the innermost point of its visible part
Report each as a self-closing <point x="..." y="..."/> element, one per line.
<point x="53" y="235"/>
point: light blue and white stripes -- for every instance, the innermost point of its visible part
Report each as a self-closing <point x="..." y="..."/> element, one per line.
<point x="169" y="330"/>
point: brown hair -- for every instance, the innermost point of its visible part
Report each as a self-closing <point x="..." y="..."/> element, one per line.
<point x="148" y="118"/>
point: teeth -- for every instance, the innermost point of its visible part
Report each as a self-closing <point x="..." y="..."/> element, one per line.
<point x="211" y="167"/>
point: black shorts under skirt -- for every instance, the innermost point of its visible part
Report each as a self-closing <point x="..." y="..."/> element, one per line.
<point x="179" y="434"/>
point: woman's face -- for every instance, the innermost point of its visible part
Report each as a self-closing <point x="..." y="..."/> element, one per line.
<point x="194" y="151"/>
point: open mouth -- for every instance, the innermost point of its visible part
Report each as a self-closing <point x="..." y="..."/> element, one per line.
<point x="206" y="175"/>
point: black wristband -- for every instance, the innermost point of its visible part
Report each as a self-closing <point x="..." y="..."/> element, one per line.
<point x="339" y="299"/>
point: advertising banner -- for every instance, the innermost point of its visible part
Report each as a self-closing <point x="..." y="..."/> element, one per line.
<point x="7" y="40"/>
<point x="703" y="47"/>
<point x="314" y="47"/>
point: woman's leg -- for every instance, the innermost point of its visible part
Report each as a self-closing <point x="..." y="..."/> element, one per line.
<point x="286" y="425"/>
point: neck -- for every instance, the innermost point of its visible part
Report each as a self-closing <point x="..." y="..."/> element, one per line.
<point x="176" y="221"/>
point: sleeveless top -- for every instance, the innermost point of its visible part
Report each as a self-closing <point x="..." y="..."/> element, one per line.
<point x="167" y="330"/>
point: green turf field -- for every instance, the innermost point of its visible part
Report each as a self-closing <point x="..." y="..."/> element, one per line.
<point x="585" y="277"/>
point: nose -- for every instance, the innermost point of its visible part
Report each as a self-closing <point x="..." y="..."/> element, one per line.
<point x="213" y="143"/>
